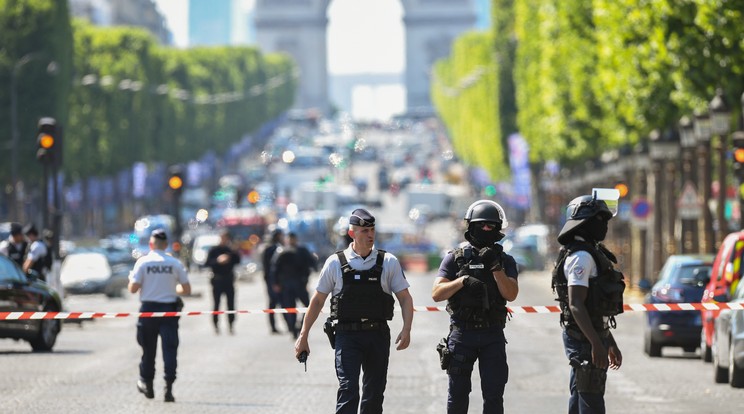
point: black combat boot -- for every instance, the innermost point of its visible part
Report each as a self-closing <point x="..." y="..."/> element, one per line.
<point x="169" y="392"/>
<point x="145" y="387"/>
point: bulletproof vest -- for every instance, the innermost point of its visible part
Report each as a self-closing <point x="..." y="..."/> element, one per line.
<point x="17" y="254"/>
<point x="605" y="296"/>
<point x="44" y="263"/>
<point x="483" y="308"/>
<point x="361" y="296"/>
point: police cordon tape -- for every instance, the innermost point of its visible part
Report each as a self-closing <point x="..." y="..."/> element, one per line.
<point x="645" y="307"/>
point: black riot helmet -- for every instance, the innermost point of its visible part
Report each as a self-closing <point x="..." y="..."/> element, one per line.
<point x="485" y="211"/>
<point x="580" y="213"/>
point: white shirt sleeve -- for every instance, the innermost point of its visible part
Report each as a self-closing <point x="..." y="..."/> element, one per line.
<point x="396" y="280"/>
<point x="328" y="274"/>
<point x="579" y="268"/>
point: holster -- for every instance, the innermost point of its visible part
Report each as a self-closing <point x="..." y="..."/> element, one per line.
<point x="445" y="357"/>
<point x="179" y="304"/>
<point x="590" y="379"/>
<point x="330" y="331"/>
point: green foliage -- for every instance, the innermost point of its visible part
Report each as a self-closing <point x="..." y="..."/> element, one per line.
<point x="35" y="53"/>
<point x="465" y="92"/>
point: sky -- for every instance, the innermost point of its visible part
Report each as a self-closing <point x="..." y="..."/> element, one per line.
<point x="363" y="36"/>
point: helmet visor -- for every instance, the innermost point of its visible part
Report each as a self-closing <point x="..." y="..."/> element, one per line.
<point x="610" y="196"/>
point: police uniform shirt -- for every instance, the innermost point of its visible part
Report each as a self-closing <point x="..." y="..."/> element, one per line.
<point x="579" y="268"/>
<point x="331" y="276"/>
<point x="37" y="251"/>
<point x="158" y="273"/>
<point x="5" y="246"/>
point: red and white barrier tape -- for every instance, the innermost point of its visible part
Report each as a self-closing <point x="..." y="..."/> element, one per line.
<point x="640" y="307"/>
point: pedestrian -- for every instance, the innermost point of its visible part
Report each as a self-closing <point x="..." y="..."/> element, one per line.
<point x="362" y="281"/>
<point x="15" y="245"/>
<point x="276" y="241"/>
<point x="590" y="294"/>
<point x="222" y="259"/>
<point x="477" y="279"/>
<point x="292" y="267"/>
<point x="159" y="278"/>
<point x="38" y="256"/>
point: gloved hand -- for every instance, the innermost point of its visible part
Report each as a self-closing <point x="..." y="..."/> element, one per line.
<point x="492" y="257"/>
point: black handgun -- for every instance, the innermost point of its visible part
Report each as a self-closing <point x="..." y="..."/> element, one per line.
<point x="330" y="331"/>
<point x="579" y="364"/>
<point x="303" y="359"/>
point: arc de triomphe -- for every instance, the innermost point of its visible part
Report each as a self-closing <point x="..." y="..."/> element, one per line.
<point x="298" y="27"/>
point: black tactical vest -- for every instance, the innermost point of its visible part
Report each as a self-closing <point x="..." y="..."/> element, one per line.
<point x="43" y="263"/>
<point x="362" y="297"/>
<point x="605" y="296"/>
<point x="476" y="309"/>
<point x="17" y="254"/>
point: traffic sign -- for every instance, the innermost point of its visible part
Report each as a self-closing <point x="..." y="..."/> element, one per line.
<point x="688" y="205"/>
<point x="640" y="211"/>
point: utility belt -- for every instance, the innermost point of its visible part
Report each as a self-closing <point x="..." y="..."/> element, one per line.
<point x="466" y="326"/>
<point x="361" y="326"/>
<point x="576" y="333"/>
<point x="177" y="305"/>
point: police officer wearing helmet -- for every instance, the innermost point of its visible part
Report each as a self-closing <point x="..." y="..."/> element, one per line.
<point x="159" y="278"/>
<point x="590" y="293"/>
<point x="361" y="280"/>
<point x="477" y="279"/>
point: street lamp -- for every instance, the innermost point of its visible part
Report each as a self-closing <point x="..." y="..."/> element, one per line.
<point x="688" y="217"/>
<point x="14" y="133"/>
<point x="702" y="134"/>
<point x="720" y="116"/>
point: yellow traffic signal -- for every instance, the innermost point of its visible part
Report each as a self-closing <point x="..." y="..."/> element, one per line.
<point x="739" y="155"/>
<point x="622" y="188"/>
<point x="175" y="182"/>
<point x="46" y="141"/>
<point x="253" y="197"/>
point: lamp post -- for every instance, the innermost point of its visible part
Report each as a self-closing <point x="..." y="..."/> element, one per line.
<point x="702" y="134"/>
<point x="719" y="117"/>
<point x="663" y="151"/>
<point x="16" y="209"/>
<point x="689" y="217"/>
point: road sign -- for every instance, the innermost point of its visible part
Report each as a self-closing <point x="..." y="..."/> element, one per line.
<point x="640" y="211"/>
<point x="688" y="205"/>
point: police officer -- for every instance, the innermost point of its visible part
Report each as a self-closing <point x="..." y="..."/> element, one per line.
<point x="361" y="280"/>
<point x="15" y="246"/>
<point x="267" y="258"/>
<point x="292" y="267"/>
<point x="590" y="293"/>
<point x="38" y="256"/>
<point x="477" y="279"/>
<point x="159" y="278"/>
<point x="222" y="259"/>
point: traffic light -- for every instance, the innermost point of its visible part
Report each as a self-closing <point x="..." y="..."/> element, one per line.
<point x="253" y="197"/>
<point x="738" y="142"/>
<point x="48" y="142"/>
<point x="175" y="179"/>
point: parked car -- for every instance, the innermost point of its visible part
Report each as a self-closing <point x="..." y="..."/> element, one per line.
<point x="723" y="280"/>
<point x="22" y="293"/>
<point x="682" y="280"/>
<point x="728" y="343"/>
<point x="202" y="244"/>
<point x="88" y="272"/>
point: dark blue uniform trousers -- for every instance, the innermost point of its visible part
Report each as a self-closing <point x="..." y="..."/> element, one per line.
<point x="581" y="402"/>
<point x="361" y="350"/>
<point x="148" y="330"/>
<point x="223" y="286"/>
<point x="488" y="346"/>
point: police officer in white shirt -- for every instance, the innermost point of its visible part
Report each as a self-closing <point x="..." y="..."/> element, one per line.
<point x="361" y="281"/>
<point x="159" y="278"/>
